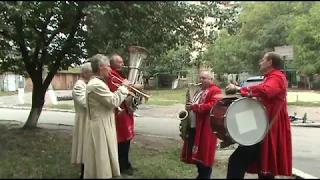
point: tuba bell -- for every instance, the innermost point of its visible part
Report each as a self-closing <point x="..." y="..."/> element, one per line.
<point x="136" y="56"/>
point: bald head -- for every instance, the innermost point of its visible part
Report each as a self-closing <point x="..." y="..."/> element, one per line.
<point x="116" y="62"/>
<point x="206" y="78"/>
<point x="206" y="74"/>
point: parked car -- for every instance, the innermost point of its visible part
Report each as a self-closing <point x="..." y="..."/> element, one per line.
<point x="254" y="80"/>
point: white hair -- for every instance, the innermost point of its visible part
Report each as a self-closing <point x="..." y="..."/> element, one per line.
<point x="86" y="67"/>
<point x="98" y="60"/>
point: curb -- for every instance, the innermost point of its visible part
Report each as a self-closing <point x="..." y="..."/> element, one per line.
<point x="302" y="175"/>
<point x="44" y="109"/>
<point x="314" y="125"/>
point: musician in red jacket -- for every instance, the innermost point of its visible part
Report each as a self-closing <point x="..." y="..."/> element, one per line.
<point x="125" y="119"/>
<point x="200" y="147"/>
<point x="273" y="155"/>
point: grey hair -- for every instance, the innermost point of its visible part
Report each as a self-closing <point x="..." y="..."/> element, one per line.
<point x="98" y="60"/>
<point x="86" y="67"/>
<point x="113" y="58"/>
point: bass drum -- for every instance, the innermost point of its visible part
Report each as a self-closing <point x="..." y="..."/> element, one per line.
<point x="239" y="120"/>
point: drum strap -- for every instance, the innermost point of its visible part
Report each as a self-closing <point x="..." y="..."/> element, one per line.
<point x="275" y="117"/>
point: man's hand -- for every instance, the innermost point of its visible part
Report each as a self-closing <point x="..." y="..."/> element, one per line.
<point x="231" y="89"/>
<point x="138" y="86"/>
<point x="188" y="107"/>
<point x="126" y="83"/>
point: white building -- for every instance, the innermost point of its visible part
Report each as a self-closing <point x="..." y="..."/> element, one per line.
<point x="11" y="82"/>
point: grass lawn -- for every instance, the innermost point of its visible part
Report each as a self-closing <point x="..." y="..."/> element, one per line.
<point x="45" y="153"/>
<point x="167" y="97"/>
<point x="3" y="93"/>
<point x="305" y="104"/>
<point x="170" y="97"/>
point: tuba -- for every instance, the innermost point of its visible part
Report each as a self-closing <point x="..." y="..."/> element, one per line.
<point x="136" y="55"/>
<point x="183" y="115"/>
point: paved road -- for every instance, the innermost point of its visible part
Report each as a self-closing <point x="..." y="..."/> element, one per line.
<point x="313" y="113"/>
<point x="306" y="144"/>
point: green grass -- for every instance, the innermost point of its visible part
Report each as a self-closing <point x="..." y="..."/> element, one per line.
<point x="167" y="97"/>
<point x="45" y="153"/>
<point x="3" y="93"/>
<point x="170" y="97"/>
<point x="304" y="104"/>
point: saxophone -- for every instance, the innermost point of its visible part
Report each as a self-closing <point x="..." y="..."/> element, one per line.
<point x="183" y="115"/>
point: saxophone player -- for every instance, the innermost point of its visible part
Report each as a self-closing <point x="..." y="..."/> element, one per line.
<point x="125" y="119"/>
<point x="200" y="145"/>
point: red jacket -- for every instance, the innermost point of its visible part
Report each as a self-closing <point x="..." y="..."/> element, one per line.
<point x="125" y="120"/>
<point x="276" y="149"/>
<point x="205" y="142"/>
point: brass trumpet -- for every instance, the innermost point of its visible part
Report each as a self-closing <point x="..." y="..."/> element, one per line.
<point x="131" y="87"/>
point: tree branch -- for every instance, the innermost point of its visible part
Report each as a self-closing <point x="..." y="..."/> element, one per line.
<point x="67" y="47"/>
<point x="23" y="49"/>
<point x="33" y="26"/>
<point x="40" y="40"/>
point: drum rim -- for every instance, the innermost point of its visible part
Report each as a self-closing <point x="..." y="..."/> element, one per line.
<point x="267" y="115"/>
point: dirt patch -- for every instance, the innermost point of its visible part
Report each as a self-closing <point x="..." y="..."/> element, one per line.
<point x="155" y="143"/>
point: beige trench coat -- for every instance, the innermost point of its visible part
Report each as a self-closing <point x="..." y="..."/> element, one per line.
<point x="80" y="125"/>
<point x="101" y="158"/>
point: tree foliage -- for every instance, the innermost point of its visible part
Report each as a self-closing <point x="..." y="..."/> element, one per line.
<point x="56" y="35"/>
<point x="37" y="35"/>
<point x="265" y="25"/>
<point x="226" y="54"/>
<point x="305" y="36"/>
<point x="174" y="60"/>
<point x="158" y="26"/>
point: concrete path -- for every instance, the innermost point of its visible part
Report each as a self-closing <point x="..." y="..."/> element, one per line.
<point x="306" y="145"/>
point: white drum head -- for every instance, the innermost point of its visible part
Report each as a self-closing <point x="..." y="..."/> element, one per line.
<point x="246" y="121"/>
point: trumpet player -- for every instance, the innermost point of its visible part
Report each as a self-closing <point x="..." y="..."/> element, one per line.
<point x="200" y="146"/>
<point x="125" y="119"/>
<point x="101" y="155"/>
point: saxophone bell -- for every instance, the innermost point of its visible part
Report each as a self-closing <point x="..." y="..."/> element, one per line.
<point x="182" y="115"/>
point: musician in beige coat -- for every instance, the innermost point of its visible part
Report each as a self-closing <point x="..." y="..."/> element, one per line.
<point x="80" y="125"/>
<point x="101" y="158"/>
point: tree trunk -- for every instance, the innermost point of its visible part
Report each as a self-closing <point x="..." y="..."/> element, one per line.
<point x="37" y="104"/>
